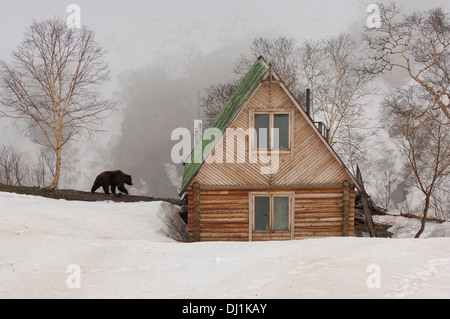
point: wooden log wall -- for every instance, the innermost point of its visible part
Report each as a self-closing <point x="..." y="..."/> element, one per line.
<point x="319" y="211"/>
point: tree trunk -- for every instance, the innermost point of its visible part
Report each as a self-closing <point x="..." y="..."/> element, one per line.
<point x="55" y="181"/>
<point x="424" y="217"/>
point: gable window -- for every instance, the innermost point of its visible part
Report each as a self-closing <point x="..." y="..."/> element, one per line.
<point x="281" y="122"/>
<point x="272" y="130"/>
<point x="271" y="212"/>
<point x="262" y="127"/>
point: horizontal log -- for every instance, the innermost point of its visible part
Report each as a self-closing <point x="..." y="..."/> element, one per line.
<point x="318" y="219"/>
<point x="224" y="236"/>
<point x="214" y="192"/>
<point x="271" y="234"/>
<point x="311" y="225"/>
<point x="242" y="191"/>
<point x="219" y="228"/>
<point x="320" y="209"/>
<point x="318" y="195"/>
<point x="224" y="232"/>
<point x="305" y="187"/>
<point x="223" y="215"/>
<point x="321" y="231"/>
<point x="224" y="201"/>
<point x="324" y="208"/>
<point x="222" y="221"/>
<point x="324" y="229"/>
<point x="317" y="213"/>
<point x="308" y="234"/>
<point x="224" y="211"/>
<point x="274" y="239"/>
<point x="207" y="239"/>
<point x="316" y="201"/>
<point x="323" y="190"/>
<point x="210" y="209"/>
<point x="256" y="236"/>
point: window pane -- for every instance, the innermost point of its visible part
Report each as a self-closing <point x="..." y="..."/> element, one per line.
<point x="281" y="213"/>
<point x="262" y="212"/>
<point x="262" y="122"/>
<point x="281" y="122"/>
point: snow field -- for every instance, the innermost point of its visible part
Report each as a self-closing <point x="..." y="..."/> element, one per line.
<point x="132" y="250"/>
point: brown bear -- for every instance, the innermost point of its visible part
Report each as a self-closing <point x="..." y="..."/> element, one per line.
<point x="113" y="179"/>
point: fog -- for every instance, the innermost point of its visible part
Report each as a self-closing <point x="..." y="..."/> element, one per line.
<point x="158" y="99"/>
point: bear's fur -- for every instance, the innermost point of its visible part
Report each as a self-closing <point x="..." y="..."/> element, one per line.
<point x="113" y="179"/>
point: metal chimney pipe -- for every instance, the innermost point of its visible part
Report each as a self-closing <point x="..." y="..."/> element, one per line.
<point x="308" y="102"/>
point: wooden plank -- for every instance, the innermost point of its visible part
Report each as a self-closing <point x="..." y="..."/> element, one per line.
<point x="196" y="213"/>
<point x="319" y="219"/>
<point x="345" y="210"/>
<point x="368" y="216"/>
<point x="325" y="195"/>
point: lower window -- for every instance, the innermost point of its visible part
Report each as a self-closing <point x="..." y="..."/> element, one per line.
<point x="271" y="212"/>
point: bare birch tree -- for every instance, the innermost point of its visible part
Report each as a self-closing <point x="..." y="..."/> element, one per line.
<point x="334" y="69"/>
<point x="280" y="53"/>
<point x="53" y="85"/>
<point x="13" y="168"/>
<point x="385" y="175"/>
<point x="339" y="88"/>
<point x="424" y="144"/>
<point x="6" y="166"/>
<point x="417" y="43"/>
<point x="311" y="56"/>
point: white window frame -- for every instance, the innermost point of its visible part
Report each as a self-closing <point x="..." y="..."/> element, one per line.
<point x="271" y="114"/>
<point x="271" y="195"/>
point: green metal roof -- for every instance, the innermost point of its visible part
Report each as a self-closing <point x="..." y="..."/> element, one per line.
<point x="226" y="115"/>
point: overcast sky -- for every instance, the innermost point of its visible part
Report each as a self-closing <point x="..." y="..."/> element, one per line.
<point x="137" y="33"/>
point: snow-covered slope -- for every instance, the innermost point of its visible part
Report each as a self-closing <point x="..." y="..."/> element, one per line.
<point x="130" y="250"/>
<point x="404" y="227"/>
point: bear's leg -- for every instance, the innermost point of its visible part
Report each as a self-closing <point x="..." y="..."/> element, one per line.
<point x="123" y="189"/>
<point x="106" y="188"/>
<point x="97" y="184"/>
<point x="113" y="188"/>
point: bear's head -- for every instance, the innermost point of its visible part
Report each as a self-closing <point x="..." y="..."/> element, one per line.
<point x="128" y="180"/>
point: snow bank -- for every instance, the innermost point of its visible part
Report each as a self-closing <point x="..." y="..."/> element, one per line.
<point x="171" y="224"/>
<point x="442" y="230"/>
<point x="127" y="250"/>
<point x="23" y="214"/>
<point x="404" y="227"/>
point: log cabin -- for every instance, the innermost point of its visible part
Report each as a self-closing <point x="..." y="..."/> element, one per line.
<point x="265" y="170"/>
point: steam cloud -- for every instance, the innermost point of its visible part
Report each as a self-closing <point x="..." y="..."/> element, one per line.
<point x="158" y="100"/>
